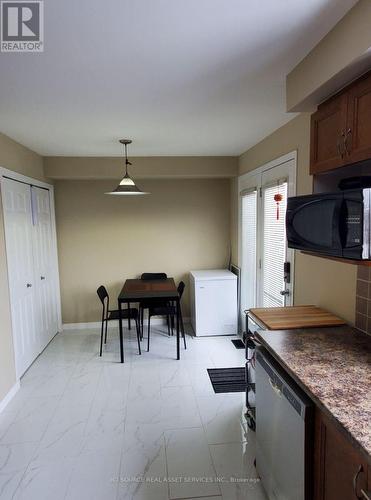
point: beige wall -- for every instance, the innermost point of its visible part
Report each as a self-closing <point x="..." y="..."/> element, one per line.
<point x="295" y="135"/>
<point x="182" y="167"/>
<point x="317" y="281"/>
<point x="14" y="157"/>
<point x="20" y="159"/>
<point x="182" y="225"/>
<point x="234" y="219"/>
<point x="342" y="55"/>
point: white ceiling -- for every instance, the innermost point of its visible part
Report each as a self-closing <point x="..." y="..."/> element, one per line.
<point x="179" y="77"/>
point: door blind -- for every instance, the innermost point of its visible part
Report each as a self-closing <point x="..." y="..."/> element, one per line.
<point x="274" y="246"/>
<point x="249" y="215"/>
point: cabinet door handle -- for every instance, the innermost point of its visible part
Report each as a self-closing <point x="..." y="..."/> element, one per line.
<point x="355" y="484"/>
<point x="42" y="277"/>
<point x="345" y="140"/>
<point x="29" y="285"/>
<point x="338" y="147"/>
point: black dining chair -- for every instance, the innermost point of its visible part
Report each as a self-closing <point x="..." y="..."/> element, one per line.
<point x="146" y="304"/>
<point x="110" y="315"/>
<point x="170" y="311"/>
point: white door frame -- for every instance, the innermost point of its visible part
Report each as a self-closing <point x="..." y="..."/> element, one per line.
<point x="4" y="172"/>
<point x="247" y="180"/>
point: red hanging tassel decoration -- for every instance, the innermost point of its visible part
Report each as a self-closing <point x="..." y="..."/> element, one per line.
<point x="277" y="199"/>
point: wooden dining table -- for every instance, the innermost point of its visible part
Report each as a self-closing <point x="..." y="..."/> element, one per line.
<point x="136" y="290"/>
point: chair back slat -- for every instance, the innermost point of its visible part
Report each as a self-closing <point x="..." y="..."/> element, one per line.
<point x="102" y="293"/>
<point x="153" y="276"/>
<point x="181" y="288"/>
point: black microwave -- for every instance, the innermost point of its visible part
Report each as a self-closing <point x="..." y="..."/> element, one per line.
<point x="335" y="224"/>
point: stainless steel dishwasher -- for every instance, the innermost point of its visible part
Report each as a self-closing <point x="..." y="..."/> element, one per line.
<point x="284" y="424"/>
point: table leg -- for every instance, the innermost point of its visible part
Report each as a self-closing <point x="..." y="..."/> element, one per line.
<point x="121" y="333"/>
<point x="177" y="330"/>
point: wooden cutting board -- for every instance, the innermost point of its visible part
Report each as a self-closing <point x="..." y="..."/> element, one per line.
<point x="286" y="318"/>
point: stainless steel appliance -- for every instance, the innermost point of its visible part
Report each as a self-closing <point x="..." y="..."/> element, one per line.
<point x="336" y="224"/>
<point x="283" y="426"/>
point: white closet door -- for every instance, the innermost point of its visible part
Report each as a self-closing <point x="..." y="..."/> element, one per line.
<point x="18" y="229"/>
<point x="47" y="322"/>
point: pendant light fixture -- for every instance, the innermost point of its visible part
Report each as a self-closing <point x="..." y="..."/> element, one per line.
<point x="127" y="185"/>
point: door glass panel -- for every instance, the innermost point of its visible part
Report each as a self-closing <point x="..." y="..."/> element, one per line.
<point x="248" y="267"/>
<point x="274" y="245"/>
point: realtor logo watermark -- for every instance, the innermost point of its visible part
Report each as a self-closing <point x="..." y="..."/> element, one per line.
<point x="22" y="26"/>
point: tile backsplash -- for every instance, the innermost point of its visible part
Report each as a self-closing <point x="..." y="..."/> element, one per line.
<point x="363" y="299"/>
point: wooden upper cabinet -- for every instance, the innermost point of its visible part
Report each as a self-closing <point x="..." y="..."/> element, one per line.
<point x="341" y="128"/>
<point x="358" y="144"/>
<point x="328" y="126"/>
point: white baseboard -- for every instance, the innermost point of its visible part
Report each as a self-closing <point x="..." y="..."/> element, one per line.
<point x="112" y="324"/>
<point x="83" y="326"/>
<point x="9" y="396"/>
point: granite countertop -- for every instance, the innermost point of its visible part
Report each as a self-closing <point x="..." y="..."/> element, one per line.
<point x="333" y="366"/>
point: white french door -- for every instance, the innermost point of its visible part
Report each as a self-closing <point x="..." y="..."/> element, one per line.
<point x="32" y="268"/>
<point x="266" y="261"/>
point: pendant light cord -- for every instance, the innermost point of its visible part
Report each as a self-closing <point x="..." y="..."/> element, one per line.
<point x="127" y="162"/>
<point x="126" y="159"/>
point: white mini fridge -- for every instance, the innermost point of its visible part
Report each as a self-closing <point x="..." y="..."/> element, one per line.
<point x="213" y="302"/>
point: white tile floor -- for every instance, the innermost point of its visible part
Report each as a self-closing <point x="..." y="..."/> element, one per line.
<point x="83" y="427"/>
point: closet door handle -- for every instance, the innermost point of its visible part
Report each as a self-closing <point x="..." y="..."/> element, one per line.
<point x="42" y="277"/>
<point x="29" y="285"/>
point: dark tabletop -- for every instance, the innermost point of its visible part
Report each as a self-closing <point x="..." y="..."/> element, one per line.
<point x="137" y="289"/>
<point x="333" y="366"/>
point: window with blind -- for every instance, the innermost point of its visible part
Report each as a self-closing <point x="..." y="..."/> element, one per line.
<point x="248" y="267"/>
<point x="274" y="245"/>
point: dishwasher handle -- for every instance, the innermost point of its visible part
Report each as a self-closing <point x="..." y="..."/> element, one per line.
<point x="275" y="387"/>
